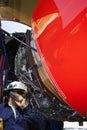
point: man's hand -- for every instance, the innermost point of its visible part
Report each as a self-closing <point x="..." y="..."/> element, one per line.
<point x="22" y="101"/>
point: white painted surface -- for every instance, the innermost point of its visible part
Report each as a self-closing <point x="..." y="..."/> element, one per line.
<point x="74" y="126"/>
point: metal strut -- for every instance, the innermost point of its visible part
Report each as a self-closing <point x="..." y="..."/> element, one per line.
<point x="2" y="42"/>
<point x="11" y="35"/>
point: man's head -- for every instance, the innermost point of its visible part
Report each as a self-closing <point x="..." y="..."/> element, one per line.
<point x="16" y="93"/>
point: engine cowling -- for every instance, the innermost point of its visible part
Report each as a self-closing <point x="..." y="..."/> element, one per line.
<point x="60" y="29"/>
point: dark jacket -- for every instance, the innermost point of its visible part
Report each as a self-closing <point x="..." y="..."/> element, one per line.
<point x="25" y="118"/>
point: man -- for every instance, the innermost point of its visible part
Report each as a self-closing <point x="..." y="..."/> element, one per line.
<point x="16" y="111"/>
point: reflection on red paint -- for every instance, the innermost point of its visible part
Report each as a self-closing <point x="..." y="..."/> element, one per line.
<point x="62" y="46"/>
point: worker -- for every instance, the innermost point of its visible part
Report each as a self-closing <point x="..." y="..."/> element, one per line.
<point x="16" y="111"/>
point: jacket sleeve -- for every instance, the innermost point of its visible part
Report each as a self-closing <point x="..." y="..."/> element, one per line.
<point x="28" y="114"/>
<point x="32" y="118"/>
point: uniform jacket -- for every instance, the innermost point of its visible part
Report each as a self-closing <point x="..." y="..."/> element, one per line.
<point x="23" y="121"/>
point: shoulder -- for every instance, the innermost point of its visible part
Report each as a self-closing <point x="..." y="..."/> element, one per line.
<point x="2" y="105"/>
<point x="2" y="108"/>
<point x="5" y="111"/>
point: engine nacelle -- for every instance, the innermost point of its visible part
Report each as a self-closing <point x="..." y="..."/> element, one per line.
<point x="60" y="29"/>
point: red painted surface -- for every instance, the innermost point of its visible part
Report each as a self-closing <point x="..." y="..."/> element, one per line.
<point x="60" y="32"/>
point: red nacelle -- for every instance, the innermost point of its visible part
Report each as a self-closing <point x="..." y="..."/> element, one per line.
<point x="60" y="32"/>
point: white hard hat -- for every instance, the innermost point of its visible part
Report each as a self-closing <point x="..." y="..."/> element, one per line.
<point x="16" y="85"/>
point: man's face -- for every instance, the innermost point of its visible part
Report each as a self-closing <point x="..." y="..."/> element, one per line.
<point x="20" y="102"/>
